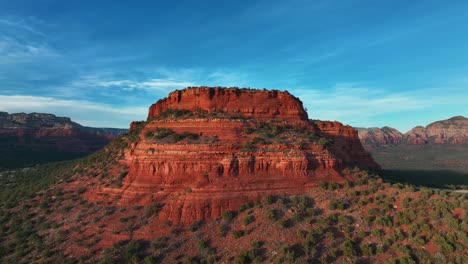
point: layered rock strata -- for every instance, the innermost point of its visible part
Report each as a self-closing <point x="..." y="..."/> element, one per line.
<point x="229" y="146"/>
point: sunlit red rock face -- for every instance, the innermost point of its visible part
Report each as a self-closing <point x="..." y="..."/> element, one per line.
<point x="234" y="160"/>
<point x="250" y="103"/>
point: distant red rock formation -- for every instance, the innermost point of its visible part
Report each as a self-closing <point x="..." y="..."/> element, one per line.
<point x="28" y="139"/>
<point x="451" y="131"/>
<point x="261" y="143"/>
<point x="380" y="136"/>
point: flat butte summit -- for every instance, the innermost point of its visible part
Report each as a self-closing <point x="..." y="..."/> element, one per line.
<point x="203" y="151"/>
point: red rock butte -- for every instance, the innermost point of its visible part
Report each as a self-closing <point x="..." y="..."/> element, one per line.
<point x="223" y="147"/>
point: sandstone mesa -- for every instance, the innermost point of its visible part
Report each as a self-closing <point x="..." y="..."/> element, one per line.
<point x="229" y="146"/>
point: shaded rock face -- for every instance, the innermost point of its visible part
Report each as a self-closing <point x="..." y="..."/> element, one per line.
<point x="200" y="166"/>
<point x="27" y="139"/>
<point x="247" y="102"/>
<point x="451" y="131"/>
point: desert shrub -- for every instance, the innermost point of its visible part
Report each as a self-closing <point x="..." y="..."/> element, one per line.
<point x="376" y="232"/>
<point x="323" y="142"/>
<point x="195" y="226"/>
<point x="445" y="245"/>
<point x="148" y="134"/>
<point x="238" y="233"/>
<point x="345" y="220"/>
<point x="248" y="219"/>
<point x="259" y="140"/>
<point x="352" y="192"/>
<point x="248" y="146"/>
<point x="287" y="223"/>
<point x="175" y="113"/>
<point x="337" y="205"/>
<point x="367" y="249"/>
<point x="425" y="193"/>
<point x="406" y="202"/>
<point x="384" y="221"/>
<point x="323" y="185"/>
<point x="288" y="254"/>
<point x="272" y="214"/>
<point x="301" y="202"/>
<point x="245" y="207"/>
<point x="313" y="211"/>
<point x="229" y="215"/>
<point x="248" y="130"/>
<point x="133" y="134"/>
<point x="269" y="199"/>
<point x="224" y="229"/>
<point x="153" y="210"/>
<point x="418" y="241"/>
<point x="348" y="248"/>
<point x="249" y="256"/>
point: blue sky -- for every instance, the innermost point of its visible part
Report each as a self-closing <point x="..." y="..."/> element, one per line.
<point x="364" y="63"/>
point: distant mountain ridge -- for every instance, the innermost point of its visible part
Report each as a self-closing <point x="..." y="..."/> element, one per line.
<point x="450" y="131"/>
<point x="43" y="120"/>
<point x="27" y="139"/>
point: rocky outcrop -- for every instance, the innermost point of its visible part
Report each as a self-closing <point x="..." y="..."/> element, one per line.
<point x="379" y="136"/>
<point x="451" y="131"/>
<point x="223" y="147"/>
<point x="27" y="139"/>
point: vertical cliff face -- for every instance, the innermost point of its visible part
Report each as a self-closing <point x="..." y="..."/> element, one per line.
<point x="207" y="150"/>
<point x="247" y="102"/>
<point x="346" y="144"/>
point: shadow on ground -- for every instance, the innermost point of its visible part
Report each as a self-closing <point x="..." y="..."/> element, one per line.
<point x="431" y="178"/>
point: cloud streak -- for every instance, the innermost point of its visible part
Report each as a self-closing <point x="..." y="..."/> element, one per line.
<point x="149" y="85"/>
<point x="357" y="105"/>
<point x="22" y="25"/>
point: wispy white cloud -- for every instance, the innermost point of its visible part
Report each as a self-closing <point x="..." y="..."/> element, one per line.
<point x="84" y="112"/>
<point x="151" y="84"/>
<point x="166" y="81"/>
<point x="358" y="105"/>
<point x="22" y="41"/>
<point x="22" y="25"/>
<point x="14" y="51"/>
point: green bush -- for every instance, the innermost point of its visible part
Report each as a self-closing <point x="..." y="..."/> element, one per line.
<point x="348" y="248"/>
<point x="238" y="233"/>
<point x="248" y="219"/>
<point x="229" y="215"/>
<point x="272" y="214"/>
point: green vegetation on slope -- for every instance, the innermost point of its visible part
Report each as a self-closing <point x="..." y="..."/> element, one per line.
<point x="368" y="221"/>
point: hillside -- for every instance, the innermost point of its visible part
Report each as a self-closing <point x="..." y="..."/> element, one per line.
<point x="28" y="139"/>
<point x="367" y="221"/>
